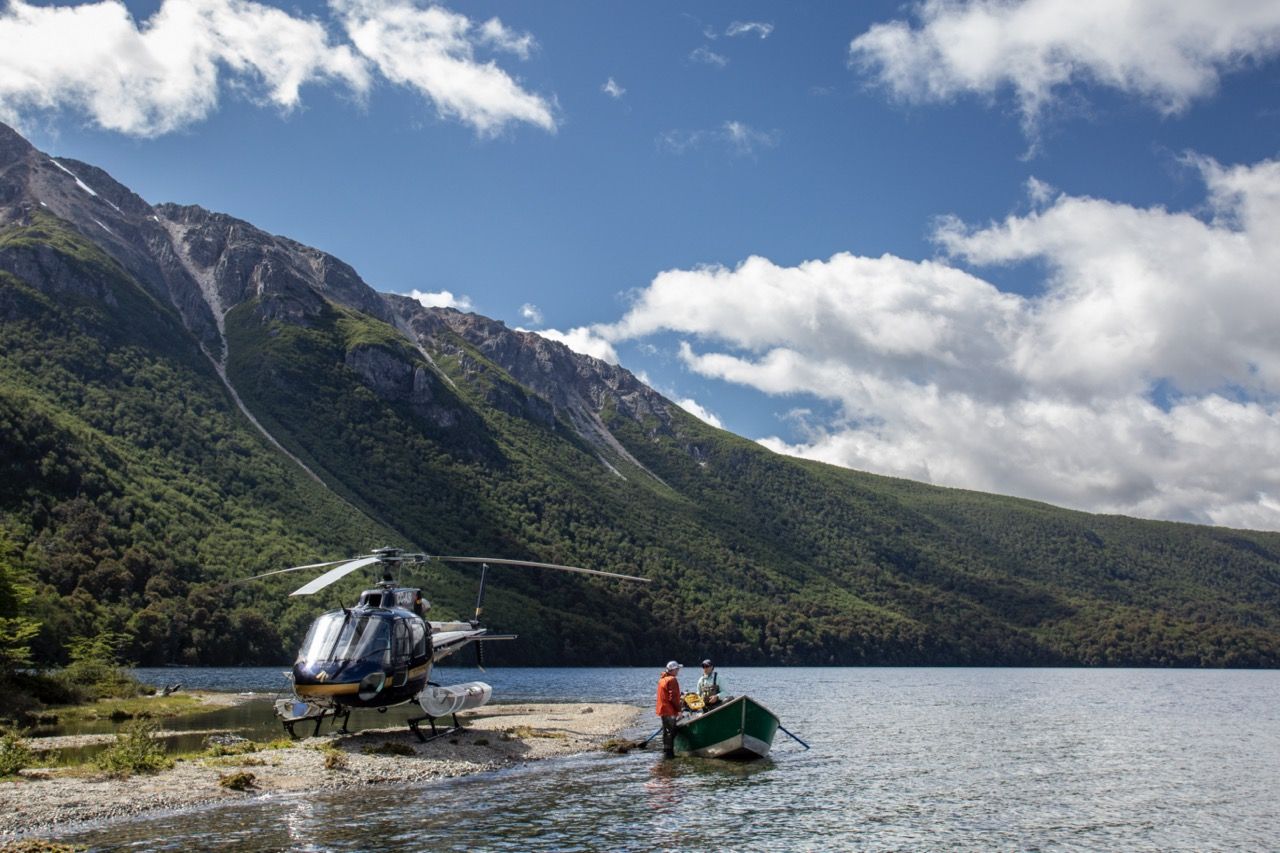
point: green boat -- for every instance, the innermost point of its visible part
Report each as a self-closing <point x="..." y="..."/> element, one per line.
<point x="740" y="729"/>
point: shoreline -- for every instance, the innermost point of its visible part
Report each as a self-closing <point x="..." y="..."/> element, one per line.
<point x="49" y="802"/>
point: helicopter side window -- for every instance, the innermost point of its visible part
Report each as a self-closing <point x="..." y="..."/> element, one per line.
<point x="418" y="629"/>
<point x="402" y="647"/>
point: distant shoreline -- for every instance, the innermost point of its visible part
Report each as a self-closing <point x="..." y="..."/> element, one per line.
<point x="49" y="802"/>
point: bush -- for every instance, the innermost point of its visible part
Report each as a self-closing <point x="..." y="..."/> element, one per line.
<point x="136" y="750"/>
<point x="95" y="671"/>
<point x="240" y="781"/>
<point x="335" y="760"/>
<point x="14" y="753"/>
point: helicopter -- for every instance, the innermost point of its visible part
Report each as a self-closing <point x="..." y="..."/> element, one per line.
<point x="379" y="653"/>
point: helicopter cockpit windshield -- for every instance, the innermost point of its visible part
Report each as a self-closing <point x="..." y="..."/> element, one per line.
<point x="344" y="636"/>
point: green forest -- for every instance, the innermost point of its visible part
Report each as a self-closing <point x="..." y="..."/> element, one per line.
<point x="136" y="499"/>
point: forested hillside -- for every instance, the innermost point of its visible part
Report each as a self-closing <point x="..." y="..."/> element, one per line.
<point x="135" y="493"/>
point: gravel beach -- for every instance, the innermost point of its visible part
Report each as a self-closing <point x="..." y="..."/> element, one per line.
<point x="494" y="736"/>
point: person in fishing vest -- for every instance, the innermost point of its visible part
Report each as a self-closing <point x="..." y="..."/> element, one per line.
<point x="709" y="685"/>
<point x="669" y="707"/>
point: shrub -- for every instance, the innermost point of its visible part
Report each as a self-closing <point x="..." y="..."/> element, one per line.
<point x="95" y="671"/>
<point x="14" y="753"/>
<point x="335" y="760"/>
<point x="240" y="781"/>
<point x="136" y="750"/>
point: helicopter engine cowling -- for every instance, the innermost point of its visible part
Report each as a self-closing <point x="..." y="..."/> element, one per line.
<point x="442" y="701"/>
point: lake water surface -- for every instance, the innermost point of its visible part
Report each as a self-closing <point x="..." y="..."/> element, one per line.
<point x="901" y="759"/>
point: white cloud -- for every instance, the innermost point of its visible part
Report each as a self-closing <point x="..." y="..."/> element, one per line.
<point x="746" y="139"/>
<point x="169" y="71"/>
<point x="707" y="56"/>
<point x="433" y="50"/>
<point x="532" y="313"/>
<point x="165" y="75"/>
<point x="739" y="137"/>
<point x="495" y="34"/>
<point x="583" y="340"/>
<point x="692" y="406"/>
<point x="743" y="28"/>
<point x="442" y="299"/>
<point x="1167" y="52"/>
<point x="1144" y="378"/>
<point x="612" y="89"/>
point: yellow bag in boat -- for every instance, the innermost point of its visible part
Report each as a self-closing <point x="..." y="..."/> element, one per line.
<point x="693" y="701"/>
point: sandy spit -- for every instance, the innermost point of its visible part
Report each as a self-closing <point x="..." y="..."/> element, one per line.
<point x="495" y="736"/>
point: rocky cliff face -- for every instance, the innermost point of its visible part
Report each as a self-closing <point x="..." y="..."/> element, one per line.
<point x="205" y="264"/>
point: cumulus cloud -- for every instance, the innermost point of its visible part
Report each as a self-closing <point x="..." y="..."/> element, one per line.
<point x="737" y="136"/>
<point x="692" y="406"/>
<point x="532" y="313"/>
<point x="168" y="72"/>
<point x="432" y="50"/>
<point x="442" y="299"/>
<point x="744" y="28"/>
<point x="1142" y="378"/>
<point x="612" y="89"/>
<point x="1167" y="52"/>
<point x="583" y="340"/>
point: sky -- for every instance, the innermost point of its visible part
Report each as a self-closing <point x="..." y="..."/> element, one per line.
<point x="1030" y="248"/>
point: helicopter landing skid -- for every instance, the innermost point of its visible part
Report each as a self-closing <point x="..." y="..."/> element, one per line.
<point x="435" y="733"/>
<point x="293" y="712"/>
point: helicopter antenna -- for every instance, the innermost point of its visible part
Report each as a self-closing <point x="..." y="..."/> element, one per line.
<point x="484" y="568"/>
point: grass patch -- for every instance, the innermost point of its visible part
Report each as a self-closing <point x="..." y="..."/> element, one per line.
<point x="137" y="708"/>
<point x="235" y="761"/>
<point x="526" y="732"/>
<point x="391" y="747"/>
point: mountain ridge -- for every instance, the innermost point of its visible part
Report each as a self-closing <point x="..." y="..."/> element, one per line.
<point x="207" y="381"/>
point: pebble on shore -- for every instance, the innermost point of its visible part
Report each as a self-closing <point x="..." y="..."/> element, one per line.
<point x="494" y="736"/>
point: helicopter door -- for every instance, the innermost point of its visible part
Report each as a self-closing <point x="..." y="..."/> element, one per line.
<point x="401" y="649"/>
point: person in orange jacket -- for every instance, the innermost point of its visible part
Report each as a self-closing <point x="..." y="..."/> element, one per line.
<point x="669" y="707"/>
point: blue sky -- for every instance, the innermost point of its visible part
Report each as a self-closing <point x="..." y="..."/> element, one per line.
<point x="1022" y="247"/>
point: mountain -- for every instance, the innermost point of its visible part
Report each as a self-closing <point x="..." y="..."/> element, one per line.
<point x="186" y="401"/>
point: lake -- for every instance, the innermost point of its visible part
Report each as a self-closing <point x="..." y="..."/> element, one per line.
<point x="901" y="759"/>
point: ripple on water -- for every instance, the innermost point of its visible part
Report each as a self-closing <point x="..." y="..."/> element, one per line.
<point x="956" y="759"/>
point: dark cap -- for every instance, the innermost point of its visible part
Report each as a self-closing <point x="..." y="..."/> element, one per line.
<point x="707" y="663"/>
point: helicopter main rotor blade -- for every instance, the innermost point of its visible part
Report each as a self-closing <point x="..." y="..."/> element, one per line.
<point x="298" y="568"/>
<point x="495" y="561"/>
<point x="333" y="575"/>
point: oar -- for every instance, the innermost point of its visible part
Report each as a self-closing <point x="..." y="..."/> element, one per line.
<point x="782" y="729"/>
<point x="642" y="744"/>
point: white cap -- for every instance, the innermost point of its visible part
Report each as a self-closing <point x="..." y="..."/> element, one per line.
<point x="672" y="666"/>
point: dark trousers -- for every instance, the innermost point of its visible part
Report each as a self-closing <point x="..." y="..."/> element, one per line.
<point x="669" y="737"/>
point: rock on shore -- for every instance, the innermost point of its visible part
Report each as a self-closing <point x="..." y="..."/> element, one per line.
<point x="493" y="737"/>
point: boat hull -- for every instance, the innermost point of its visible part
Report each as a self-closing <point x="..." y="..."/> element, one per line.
<point x="741" y="729"/>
